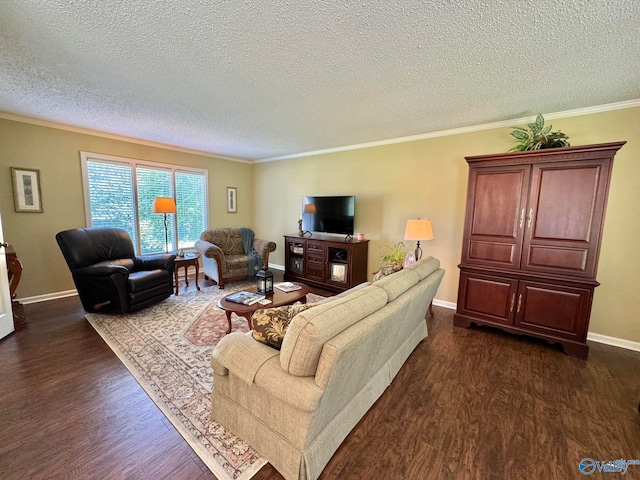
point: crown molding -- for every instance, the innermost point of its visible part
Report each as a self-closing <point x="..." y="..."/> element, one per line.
<point x="111" y="136"/>
<point x="457" y="131"/>
<point x="412" y="138"/>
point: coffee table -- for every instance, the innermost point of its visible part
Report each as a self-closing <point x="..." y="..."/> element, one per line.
<point x="278" y="299"/>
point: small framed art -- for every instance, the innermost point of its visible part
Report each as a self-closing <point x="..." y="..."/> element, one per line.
<point x="232" y="200"/>
<point x="26" y="190"/>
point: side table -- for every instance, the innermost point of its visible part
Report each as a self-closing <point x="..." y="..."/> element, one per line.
<point x="189" y="259"/>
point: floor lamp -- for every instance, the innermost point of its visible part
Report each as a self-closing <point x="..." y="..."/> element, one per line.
<point x="164" y="205"/>
<point x="418" y="230"/>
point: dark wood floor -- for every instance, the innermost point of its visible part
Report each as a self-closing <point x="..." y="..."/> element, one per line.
<point x="468" y="404"/>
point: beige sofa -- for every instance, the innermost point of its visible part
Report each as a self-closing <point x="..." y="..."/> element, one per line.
<point x="223" y="256"/>
<point x="297" y="405"/>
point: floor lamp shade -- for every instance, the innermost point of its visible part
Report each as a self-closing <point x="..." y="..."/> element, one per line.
<point x="165" y="205"/>
<point x="418" y="230"/>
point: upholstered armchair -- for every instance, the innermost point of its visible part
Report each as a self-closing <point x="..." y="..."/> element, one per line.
<point x="109" y="276"/>
<point x="223" y="253"/>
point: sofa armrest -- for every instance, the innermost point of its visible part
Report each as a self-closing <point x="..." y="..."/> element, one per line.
<point x="207" y="249"/>
<point x="253" y="362"/>
<point x="263" y="247"/>
<point x="300" y="392"/>
<point x="103" y="287"/>
<point x="240" y="354"/>
<point x="155" y="262"/>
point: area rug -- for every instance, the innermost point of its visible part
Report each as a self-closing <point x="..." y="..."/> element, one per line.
<point x="167" y="348"/>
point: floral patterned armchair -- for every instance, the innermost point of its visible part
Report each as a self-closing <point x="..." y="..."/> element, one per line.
<point x="223" y="255"/>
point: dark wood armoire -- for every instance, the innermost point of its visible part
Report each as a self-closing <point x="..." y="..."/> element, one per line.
<point x="531" y="241"/>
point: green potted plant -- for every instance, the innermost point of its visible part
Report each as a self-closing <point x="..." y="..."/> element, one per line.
<point x="538" y="136"/>
<point x="392" y="259"/>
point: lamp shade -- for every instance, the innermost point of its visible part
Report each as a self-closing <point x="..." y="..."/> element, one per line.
<point x="418" y="229"/>
<point x="309" y="208"/>
<point x="164" y="205"/>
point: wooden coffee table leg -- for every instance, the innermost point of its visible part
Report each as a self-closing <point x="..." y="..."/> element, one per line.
<point x="248" y="317"/>
<point x="245" y="315"/>
<point x="228" y="313"/>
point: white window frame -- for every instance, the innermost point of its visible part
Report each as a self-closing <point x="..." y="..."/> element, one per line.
<point x="134" y="163"/>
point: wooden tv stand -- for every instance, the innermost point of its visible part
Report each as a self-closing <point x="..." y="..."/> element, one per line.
<point x="325" y="261"/>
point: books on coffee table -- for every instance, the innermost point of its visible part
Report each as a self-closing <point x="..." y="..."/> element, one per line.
<point x="287" y="286"/>
<point x="244" y="298"/>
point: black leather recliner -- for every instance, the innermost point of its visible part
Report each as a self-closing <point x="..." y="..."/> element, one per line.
<point x="109" y="276"/>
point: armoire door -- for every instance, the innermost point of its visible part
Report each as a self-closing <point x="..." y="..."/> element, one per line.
<point x="564" y="217"/>
<point x="553" y="310"/>
<point x="487" y="297"/>
<point x="496" y="201"/>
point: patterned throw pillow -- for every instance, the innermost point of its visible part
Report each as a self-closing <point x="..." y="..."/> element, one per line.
<point x="270" y="324"/>
<point x="387" y="270"/>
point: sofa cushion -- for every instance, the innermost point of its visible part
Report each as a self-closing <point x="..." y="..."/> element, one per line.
<point x="269" y="325"/>
<point x="425" y="267"/>
<point x="345" y="293"/>
<point x="127" y="263"/>
<point x="147" y="279"/>
<point x="309" y="330"/>
<point x="397" y="283"/>
<point x="237" y="262"/>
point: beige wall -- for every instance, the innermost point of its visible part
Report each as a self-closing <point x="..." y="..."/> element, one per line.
<point x="56" y="153"/>
<point x="428" y="179"/>
<point x="392" y="183"/>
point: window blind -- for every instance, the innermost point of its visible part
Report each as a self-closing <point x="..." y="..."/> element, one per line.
<point x="120" y="193"/>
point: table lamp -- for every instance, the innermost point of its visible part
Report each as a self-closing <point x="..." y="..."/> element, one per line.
<point x="417" y="230"/>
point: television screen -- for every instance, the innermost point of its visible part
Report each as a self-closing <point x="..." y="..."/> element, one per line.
<point x="329" y="214"/>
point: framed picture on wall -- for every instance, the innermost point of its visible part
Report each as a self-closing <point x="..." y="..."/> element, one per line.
<point x="26" y="190"/>
<point x="232" y="200"/>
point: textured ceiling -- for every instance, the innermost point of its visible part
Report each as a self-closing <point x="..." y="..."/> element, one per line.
<point x="258" y="79"/>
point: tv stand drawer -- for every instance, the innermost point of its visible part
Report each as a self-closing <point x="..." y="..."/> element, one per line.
<point x="315" y="247"/>
<point x="315" y="270"/>
<point x="317" y="257"/>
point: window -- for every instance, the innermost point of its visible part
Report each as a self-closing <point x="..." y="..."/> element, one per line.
<point x="119" y="192"/>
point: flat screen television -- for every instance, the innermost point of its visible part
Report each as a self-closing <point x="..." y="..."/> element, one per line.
<point x="329" y="214"/>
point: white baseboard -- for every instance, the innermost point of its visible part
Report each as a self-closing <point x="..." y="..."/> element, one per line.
<point x="614" y="342"/>
<point x="594" y="337"/>
<point x="47" y="296"/>
<point x="442" y="303"/>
